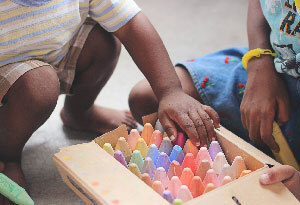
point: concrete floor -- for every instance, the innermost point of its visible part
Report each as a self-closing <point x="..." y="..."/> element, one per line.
<point x="188" y="29"/>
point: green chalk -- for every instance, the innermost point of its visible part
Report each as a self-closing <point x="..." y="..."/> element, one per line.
<point x="13" y="191"/>
<point x="177" y="202"/>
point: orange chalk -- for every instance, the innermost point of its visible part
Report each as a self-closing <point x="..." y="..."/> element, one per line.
<point x="174" y="169"/>
<point x="123" y="146"/>
<point x="174" y="186"/>
<point x="211" y="177"/>
<point x="226" y="180"/>
<point x="203" y="154"/>
<point x="238" y="165"/>
<point x="203" y="167"/>
<point x="189" y="161"/>
<point x="245" y="172"/>
<point x="189" y="147"/>
<point x="147" y="132"/>
<point x="146" y="178"/>
<point x="161" y="175"/>
<point x="142" y="147"/>
<point x="158" y="187"/>
<point x="209" y="187"/>
<point x="219" y="162"/>
<point x="133" y="138"/>
<point x="196" y="187"/>
<point x="156" y="138"/>
<point x="186" y="176"/>
<point x="184" y="194"/>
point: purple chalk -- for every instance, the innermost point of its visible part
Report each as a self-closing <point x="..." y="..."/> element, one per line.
<point x="149" y="167"/>
<point x="168" y="196"/>
<point x="214" y="149"/>
<point x="163" y="161"/>
<point x="177" y="154"/>
<point x="153" y="153"/>
<point x="118" y="155"/>
<point x="166" y="146"/>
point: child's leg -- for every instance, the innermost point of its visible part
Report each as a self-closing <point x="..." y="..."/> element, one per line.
<point x="142" y="100"/>
<point x="29" y="103"/>
<point x="95" y="65"/>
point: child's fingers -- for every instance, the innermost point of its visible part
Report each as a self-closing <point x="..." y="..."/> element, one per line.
<point x="277" y="174"/>
<point x="168" y="126"/>
<point x="208" y="125"/>
<point x="283" y="114"/>
<point x="200" y="127"/>
<point x="213" y="115"/>
<point x="266" y="130"/>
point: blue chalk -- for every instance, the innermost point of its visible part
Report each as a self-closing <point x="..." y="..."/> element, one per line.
<point x="177" y="154"/>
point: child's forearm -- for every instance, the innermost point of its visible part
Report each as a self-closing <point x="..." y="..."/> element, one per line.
<point x="148" y="52"/>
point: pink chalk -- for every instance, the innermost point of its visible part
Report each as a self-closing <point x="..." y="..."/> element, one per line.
<point x="158" y="187"/>
<point x="203" y="155"/>
<point x="202" y="169"/>
<point x="133" y="138"/>
<point x="184" y="194"/>
<point x="180" y="140"/>
<point x="237" y="167"/>
<point x="219" y="162"/>
<point x="226" y="180"/>
<point x="189" y="161"/>
<point x="211" y="177"/>
<point x="225" y="172"/>
<point x="186" y="176"/>
<point x="146" y="178"/>
<point x="174" y="186"/>
<point x="156" y="138"/>
<point x="174" y="169"/>
<point x="161" y="175"/>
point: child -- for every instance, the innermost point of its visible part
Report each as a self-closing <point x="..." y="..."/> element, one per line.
<point x="219" y="79"/>
<point x="51" y="46"/>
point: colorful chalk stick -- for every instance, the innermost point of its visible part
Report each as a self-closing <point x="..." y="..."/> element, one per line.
<point x="238" y="165"/>
<point x="137" y="159"/>
<point x="245" y="172"/>
<point x="226" y="171"/>
<point x="108" y="148"/>
<point x="184" y="194"/>
<point x="174" y="186"/>
<point x="161" y="175"/>
<point x="149" y="167"/>
<point x="174" y="169"/>
<point x="203" y="154"/>
<point x="196" y="187"/>
<point x="219" y="162"/>
<point x="186" y="176"/>
<point x="226" y="180"/>
<point x="168" y="196"/>
<point x="177" y="202"/>
<point x="189" y="147"/>
<point x="133" y="138"/>
<point x="214" y="149"/>
<point x="142" y="147"/>
<point x="147" y="132"/>
<point x="163" y="161"/>
<point x="166" y="146"/>
<point x="211" y="177"/>
<point x="118" y="155"/>
<point x="189" y="161"/>
<point x="159" y="127"/>
<point x="158" y="187"/>
<point x="177" y="154"/>
<point x="209" y="187"/>
<point x="153" y="153"/>
<point x="123" y="146"/>
<point x="156" y="138"/>
<point x="203" y="167"/>
<point x="146" y="178"/>
<point x="135" y="170"/>
<point x="180" y="140"/>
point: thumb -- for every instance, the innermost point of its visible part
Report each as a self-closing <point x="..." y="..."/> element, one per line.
<point x="277" y="174"/>
<point x="169" y="127"/>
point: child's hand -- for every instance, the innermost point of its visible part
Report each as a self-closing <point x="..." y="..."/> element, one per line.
<point x="289" y="176"/>
<point x="193" y="117"/>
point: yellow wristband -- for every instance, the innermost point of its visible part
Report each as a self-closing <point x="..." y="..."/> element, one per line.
<point x="255" y="53"/>
<point x="297" y="3"/>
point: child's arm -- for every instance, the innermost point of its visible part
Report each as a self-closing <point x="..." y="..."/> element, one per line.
<point x="265" y="94"/>
<point x="289" y="176"/>
<point x="147" y="50"/>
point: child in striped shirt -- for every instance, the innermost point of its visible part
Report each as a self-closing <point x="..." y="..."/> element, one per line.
<point x="48" y="47"/>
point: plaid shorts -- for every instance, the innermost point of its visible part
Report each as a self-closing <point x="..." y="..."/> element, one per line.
<point x="10" y="73"/>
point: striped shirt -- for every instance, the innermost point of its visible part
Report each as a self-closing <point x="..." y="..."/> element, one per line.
<point x="44" y="32"/>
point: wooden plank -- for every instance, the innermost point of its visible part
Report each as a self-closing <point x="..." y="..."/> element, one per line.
<point x="152" y="118"/>
<point x="112" y="136"/>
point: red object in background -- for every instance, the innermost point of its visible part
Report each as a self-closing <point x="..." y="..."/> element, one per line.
<point x="205" y="79"/>
<point x="203" y="84"/>
<point x="226" y="59"/>
<point x="240" y="85"/>
<point x="191" y="60"/>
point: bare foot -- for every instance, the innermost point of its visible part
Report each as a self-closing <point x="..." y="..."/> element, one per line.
<point x="98" y="119"/>
<point x="14" y="172"/>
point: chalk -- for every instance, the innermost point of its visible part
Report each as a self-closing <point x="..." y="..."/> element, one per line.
<point x="214" y="149"/>
<point x="153" y="153"/>
<point x="219" y="162"/>
<point x="159" y="127"/>
<point x="203" y="154"/>
<point x="147" y="132"/>
<point x="123" y="146"/>
<point x="163" y="161"/>
<point x="161" y="175"/>
<point x="135" y="170"/>
<point x="209" y="187"/>
<point x="133" y="138"/>
<point x="196" y="187"/>
<point x="238" y="165"/>
<point x="177" y="202"/>
<point x="245" y="172"/>
<point x="149" y="167"/>
<point x="226" y="180"/>
<point x="118" y="155"/>
<point x="174" y="169"/>
<point x="184" y="194"/>
<point x="166" y="146"/>
<point x="225" y="172"/>
<point x="180" y="140"/>
<point x="189" y="147"/>
<point x="211" y="177"/>
<point x="142" y="147"/>
<point x="156" y="138"/>
<point x="108" y="148"/>
<point x="146" y="178"/>
<point x="186" y="176"/>
<point x="174" y="186"/>
<point x="137" y="159"/>
<point x="177" y="154"/>
<point x="168" y="196"/>
<point x="189" y="161"/>
<point x="203" y="167"/>
<point x="13" y="191"/>
<point x="158" y="187"/>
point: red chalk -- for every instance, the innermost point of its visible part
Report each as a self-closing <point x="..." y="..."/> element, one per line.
<point x="189" y="161"/>
<point x="211" y="177"/>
